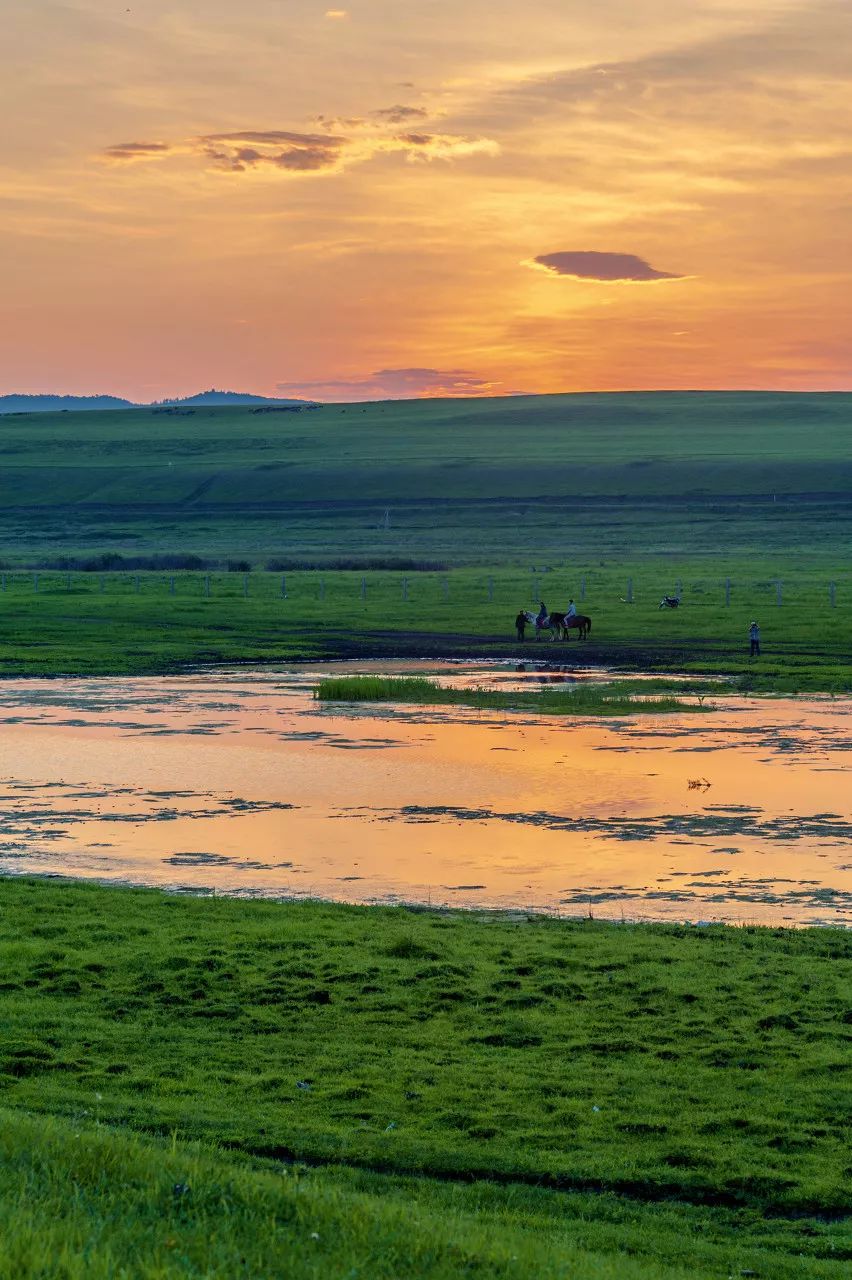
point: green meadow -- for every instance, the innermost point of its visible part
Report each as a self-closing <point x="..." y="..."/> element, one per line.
<point x="532" y="479"/>
<point x="129" y="623"/>
<point x="422" y="527"/>
<point x="215" y="1087"/>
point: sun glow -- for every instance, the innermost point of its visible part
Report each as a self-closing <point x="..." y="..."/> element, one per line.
<point x="376" y="210"/>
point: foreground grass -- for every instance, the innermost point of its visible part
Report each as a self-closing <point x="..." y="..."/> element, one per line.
<point x="88" y="1202"/>
<point x="582" y="700"/>
<point x="677" y="1095"/>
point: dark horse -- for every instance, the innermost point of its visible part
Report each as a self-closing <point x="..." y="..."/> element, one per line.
<point x="561" y="624"/>
<point x="557" y="624"/>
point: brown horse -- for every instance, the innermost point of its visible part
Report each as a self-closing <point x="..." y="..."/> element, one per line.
<point x="562" y="624"/>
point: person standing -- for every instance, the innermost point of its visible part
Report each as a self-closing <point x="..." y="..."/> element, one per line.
<point x="754" y="640"/>
<point x="520" y="624"/>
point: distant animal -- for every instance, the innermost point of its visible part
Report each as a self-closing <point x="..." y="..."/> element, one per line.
<point x="670" y="602"/>
<point x="558" y="625"/>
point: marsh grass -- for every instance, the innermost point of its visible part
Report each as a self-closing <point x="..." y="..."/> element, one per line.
<point x="617" y="699"/>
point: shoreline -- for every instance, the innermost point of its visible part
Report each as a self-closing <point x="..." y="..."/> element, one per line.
<point x="700" y="661"/>
<point x="504" y="915"/>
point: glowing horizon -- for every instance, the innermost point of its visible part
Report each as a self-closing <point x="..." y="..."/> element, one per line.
<point x="454" y="199"/>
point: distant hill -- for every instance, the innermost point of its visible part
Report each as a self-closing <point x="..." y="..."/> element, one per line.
<point x="55" y="404"/>
<point x="213" y="397"/>
<point x="58" y="404"/>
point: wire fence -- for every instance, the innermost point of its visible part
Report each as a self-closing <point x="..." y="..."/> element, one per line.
<point x="458" y="588"/>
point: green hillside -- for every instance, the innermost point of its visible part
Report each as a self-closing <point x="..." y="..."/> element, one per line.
<point x="464" y="480"/>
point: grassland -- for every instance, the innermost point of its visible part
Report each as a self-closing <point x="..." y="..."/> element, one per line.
<point x="502" y="481"/>
<point x="504" y="500"/>
<point x="101" y="624"/>
<point x="212" y="1084"/>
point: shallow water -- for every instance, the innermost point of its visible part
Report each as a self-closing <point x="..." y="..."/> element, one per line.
<point x="241" y="783"/>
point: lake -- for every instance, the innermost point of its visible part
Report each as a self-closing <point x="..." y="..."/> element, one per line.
<point x="240" y="782"/>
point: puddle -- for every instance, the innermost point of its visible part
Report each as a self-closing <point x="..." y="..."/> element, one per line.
<point x="241" y="783"/>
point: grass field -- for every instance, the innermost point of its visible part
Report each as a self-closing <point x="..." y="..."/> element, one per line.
<point x="225" y="1087"/>
<point x="535" y="479"/>
<point x="448" y="515"/>
<point x="101" y="624"/>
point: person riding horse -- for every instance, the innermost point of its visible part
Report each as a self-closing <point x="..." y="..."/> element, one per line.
<point x="542" y="615"/>
<point x="571" y="611"/>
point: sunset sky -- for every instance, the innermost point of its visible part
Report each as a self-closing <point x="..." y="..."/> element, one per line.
<point x="444" y="197"/>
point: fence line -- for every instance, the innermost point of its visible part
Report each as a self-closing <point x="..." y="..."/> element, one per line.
<point x="495" y="589"/>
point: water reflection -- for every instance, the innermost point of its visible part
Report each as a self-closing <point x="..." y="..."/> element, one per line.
<point x="242" y="783"/>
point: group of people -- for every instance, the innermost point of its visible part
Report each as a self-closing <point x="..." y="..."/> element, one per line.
<point x="571" y="612"/>
<point x="541" y="617"/>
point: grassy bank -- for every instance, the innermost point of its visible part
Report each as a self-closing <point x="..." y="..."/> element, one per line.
<point x="615" y="699"/>
<point x="129" y="623"/>
<point x="667" y="1099"/>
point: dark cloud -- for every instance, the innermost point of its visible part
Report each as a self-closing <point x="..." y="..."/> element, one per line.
<point x="254" y="148"/>
<point x="135" y="150"/>
<point x="397" y="384"/>
<point x="399" y="114"/>
<point x="588" y="265"/>
<point x="272" y="137"/>
<point x="298" y="152"/>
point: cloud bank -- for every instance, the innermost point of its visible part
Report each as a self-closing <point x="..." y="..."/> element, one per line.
<point x="343" y="142"/>
<point x="397" y="384"/>
<point x="589" y="265"/>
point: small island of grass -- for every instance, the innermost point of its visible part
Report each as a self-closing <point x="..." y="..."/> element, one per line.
<point x="618" y="698"/>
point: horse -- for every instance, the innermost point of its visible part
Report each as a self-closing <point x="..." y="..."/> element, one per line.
<point x="558" y="624"/>
<point x="577" y="621"/>
<point x="670" y="602"/>
<point x="540" y="625"/>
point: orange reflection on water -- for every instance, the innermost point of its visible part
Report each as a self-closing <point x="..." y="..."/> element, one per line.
<point x="244" y="784"/>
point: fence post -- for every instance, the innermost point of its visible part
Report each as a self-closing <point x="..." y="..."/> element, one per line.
<point x="322" y="588"/>
<point x="582" y="588"/>
<point x="35" y="582"/>
<point x="727" y="593"/>
<point x="284" y="586"/>
<point x="245" y="585"/>
<point x="446" y="587"/>
<point x="2" y="582"/>
<point x="405" y="588"/>
<point x="207" y="585"/>
<point x="363" y="588"/>
<point x="490" y="588"/>
<point x="138" y="584"/>
<point x="171" y="586"/>
<point x="678" y="588"/>
<point x="103" y="583"/>
<point x="629" y="590"/>
<point x="68" y="582"/>
<point x="778" y="593"/>
<point x="832" y="594"/>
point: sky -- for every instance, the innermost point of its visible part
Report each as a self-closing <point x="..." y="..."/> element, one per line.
<point x="442" y="197"/>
